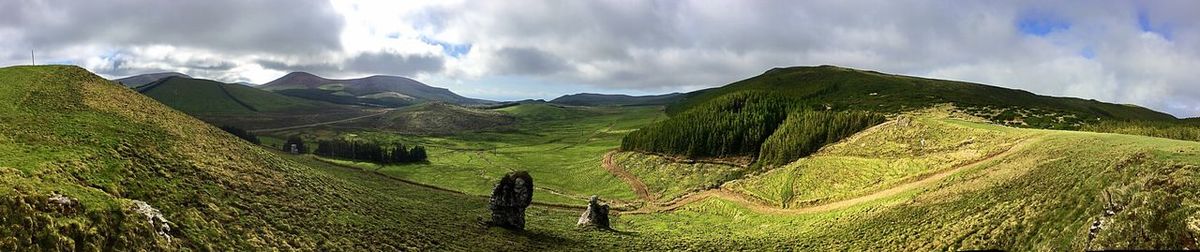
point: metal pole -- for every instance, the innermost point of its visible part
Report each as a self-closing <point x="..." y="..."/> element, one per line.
<point x="32" y="60"/>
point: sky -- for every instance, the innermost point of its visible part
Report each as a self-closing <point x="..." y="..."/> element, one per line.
<point x="1135" y="52"/>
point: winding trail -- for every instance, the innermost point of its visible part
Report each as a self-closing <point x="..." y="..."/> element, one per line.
<point x="639" y="188"/>
<point x="760" y="206"/>
<point x="321" y="123"/>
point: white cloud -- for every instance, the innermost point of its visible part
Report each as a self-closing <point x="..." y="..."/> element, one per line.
<point x="1116" y="51"/>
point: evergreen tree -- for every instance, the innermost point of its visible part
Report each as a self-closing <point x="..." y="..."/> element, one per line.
<point x="243" y="134"/>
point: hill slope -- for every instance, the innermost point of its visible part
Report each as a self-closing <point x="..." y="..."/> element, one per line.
<point x="588" y="99"/>
<point x="379" y="89"/>
<point x="433" y="118"/>
<point x="844" y="88"/>
<point x="83" y="161"/>
<point x="143" y="79"/>
<point x="200" y="96"/>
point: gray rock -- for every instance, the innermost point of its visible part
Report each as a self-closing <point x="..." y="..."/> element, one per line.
<point x="63" y="204"/>
<point x="154" y="217"/>
<point x="509" y="199"/>
<point x="596" y="214"/>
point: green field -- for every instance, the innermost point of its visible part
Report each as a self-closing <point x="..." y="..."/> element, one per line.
<point x="66" y="131"/>
<point x="561" y="147"/>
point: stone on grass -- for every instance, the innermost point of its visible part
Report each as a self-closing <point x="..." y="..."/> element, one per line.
<point x="596" y="214"/>
<point x="509" y="199"/>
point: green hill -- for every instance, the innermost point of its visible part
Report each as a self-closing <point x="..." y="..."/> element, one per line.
<point x="378" y="90"/>
<point x="84" y="161"/>
<point x="143" y="79"/>
<point x="844" y="88"/>
<point x="200" y="96"/>
<point x="543" y="112"/>
<point x="587" y="99"/>
<point x="436" y="118"/>
<point x="242" y="106"/>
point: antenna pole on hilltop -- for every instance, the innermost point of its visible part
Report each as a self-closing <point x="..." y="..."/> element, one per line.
<point x="32" y="60"/>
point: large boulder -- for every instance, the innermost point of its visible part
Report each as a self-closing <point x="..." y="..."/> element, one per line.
<point x="596" y="214"/>
<point x="509" y="199"/>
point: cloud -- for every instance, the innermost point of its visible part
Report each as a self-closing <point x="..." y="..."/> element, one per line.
<point x="1115" y="51"/>
<point x="227" y="25"/>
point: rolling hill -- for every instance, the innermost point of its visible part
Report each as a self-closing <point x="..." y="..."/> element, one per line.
<point x="87" y="165"/>
<point x="437" y="118"/>
<point x="143" y="79"/>
<point x="845" y="88"/>
<point x="589" y="99"/>
<point x="240" y="105"/>
<point x="200" y="96"/>
<point x="377" y="90"/>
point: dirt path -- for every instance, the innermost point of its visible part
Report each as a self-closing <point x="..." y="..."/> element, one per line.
<point x="320" y="123"/>
<point x="759" y="206"/>
<point x="639" y="188"/>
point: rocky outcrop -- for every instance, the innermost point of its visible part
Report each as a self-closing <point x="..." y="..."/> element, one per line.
<point x="509" y="199"/>
<point x="156" y="219"/>
<point x="63" y="204"/>
<point x="596" y="215"/>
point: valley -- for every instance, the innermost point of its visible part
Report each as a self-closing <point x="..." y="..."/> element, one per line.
<point x="865" y="166"/>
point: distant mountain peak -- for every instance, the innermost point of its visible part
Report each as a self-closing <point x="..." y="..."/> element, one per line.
<point x="367" y="86"/>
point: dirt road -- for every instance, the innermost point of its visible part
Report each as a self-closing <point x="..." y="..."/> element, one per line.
<point x="759" y="206"/>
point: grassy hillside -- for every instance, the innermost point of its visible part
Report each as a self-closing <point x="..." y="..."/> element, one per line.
<point x="199" y="96"/>
<point x="1006" y="188"/>
<point x="844" y="88"/>
<point x="587" y="99"/>
<point x="381" y="90"/>
<point x="432" y="118"/>
<point x="143" y="79"/>
<point x="544" y="112"/>
<point x="65" y="131"/>
<point x="242" y="106"/>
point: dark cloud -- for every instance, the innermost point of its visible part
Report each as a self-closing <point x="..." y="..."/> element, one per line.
<point x="372" y="63"/>
<point x="270" y="26"/>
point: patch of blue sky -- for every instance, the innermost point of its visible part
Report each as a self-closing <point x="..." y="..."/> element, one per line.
<point x="1087" y="52"/>
<point x="1143" y="20"/>
<point x="451" y="49"/>
<point x="1041" y="24"/>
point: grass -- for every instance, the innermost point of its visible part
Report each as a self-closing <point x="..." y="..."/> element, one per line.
<point x="1043" y="197"/>
<point x="242" y="106"/>
<point x="668" y="179"/>
<point x="563" y="155"/>
<point x="893" y="153"/>
<point x="64" y="130"/>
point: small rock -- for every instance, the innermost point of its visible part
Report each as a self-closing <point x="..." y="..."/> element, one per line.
<point x="63" y="203"/>
<point x="596" y="214"/>
<point x="156" y="219"/>
<point x="509" y="199"/>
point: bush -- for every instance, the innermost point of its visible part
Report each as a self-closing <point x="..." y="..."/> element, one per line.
<point x="243" y="134"/>
<point x="370" y="152"/>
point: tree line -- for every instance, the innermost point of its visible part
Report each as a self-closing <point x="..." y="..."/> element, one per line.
<point x="773" y="128"/>
<point x="806" y="131"/>
<point x="731" y="125"/>
<point x="1179" y="130"/>
<point x="372" y="152"/>
<point x="241" y="133"/>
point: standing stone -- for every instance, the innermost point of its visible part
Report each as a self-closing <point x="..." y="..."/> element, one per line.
<point x="509" y="199"/>
<point x="596" y="214"/>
